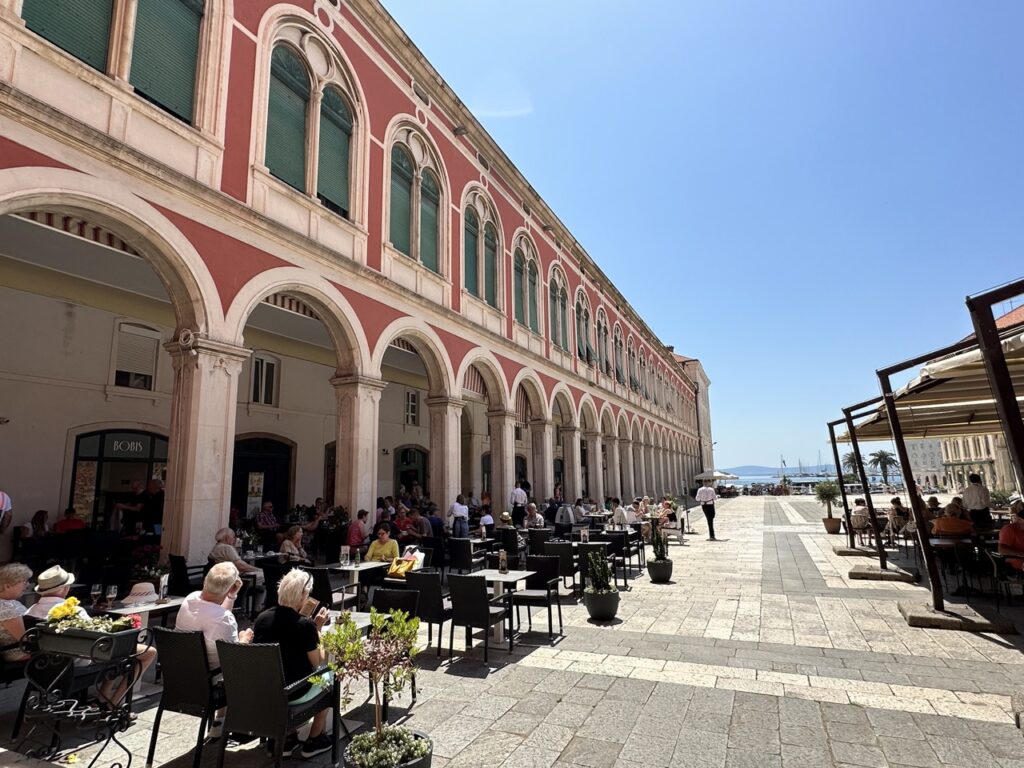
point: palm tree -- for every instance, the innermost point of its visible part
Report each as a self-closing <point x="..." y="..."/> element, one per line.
<point x="882" y="462"/>
<point x="850" y="464"/>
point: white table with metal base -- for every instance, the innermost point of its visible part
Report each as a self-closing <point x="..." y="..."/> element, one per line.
<point x="499" y="580"/>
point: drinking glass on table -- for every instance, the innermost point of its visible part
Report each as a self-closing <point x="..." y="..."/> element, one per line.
<point x="94" y="592"/>
<point x="112" y="593"/>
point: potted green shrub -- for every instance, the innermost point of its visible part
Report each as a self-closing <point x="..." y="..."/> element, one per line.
<point x="659" y="567"/>
<point x="386" y="659"/>
<point x="600" y="596"/>
<point x="827" y="492"/>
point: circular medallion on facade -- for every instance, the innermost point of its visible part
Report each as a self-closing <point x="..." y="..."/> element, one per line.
<point x="324" y="17"/>
<point x="421" y="116"/>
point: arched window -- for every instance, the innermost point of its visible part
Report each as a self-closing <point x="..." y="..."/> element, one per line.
<point x="519" y="286"/>
<point x="402" y="172"/>
<point x="620" y="374"/>
<point x="643" y="376"/>
<point x="165" y="52"/>
<point x="584" y="351"/>
<point x="558" y="312"/>
<point x="634" y="382"/>
<point x="80" y="28"/>
<point x="603" y="360"/>
<point x="286" y="118"/>
<point x="532" y="295"/>
<point x="491" y="266"/>
<point x="430" y="209"/>
<point x="470" y="253"/>
<point x="332" y="181"/>
<point x="563" y="316"/>
<point x="525" y="284"/>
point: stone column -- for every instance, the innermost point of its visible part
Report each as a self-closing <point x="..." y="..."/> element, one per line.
<point x="627" y="460"/>
<point x="201" y="445"/>
<point x="595" y="474"/>
<point x="471" y="461"/>
<point x="571" y="457"/>
<point x="503" y="458"/>
<point x="542" y="436"/>
<point x="357" y="401"/>
<point x="445" y="449"/>
<point x="639" y="469"/>
<point x="614" y="468"/>
<point x="652" y="481"/>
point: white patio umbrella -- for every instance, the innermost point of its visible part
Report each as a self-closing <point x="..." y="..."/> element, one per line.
<point x="714" y="474"/>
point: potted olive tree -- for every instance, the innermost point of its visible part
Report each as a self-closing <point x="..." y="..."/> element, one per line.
<point x="385" y="658"/>
<point x="827" y="493"/>
<point x="600" y="596"/>
<point x="659" y="567"/>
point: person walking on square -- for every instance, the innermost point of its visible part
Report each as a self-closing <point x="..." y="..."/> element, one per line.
<point x="706" y="498"/>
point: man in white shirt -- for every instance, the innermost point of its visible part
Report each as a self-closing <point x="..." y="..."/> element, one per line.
<point x="517" y="501"/>
<point x="210" y="610"/>
<point x="706" y="498"/>
<point x="53" y="587"/>
<point x="224" y="552"/>
<point x="622" y="516"/>
<point x="977" y="501"/>
<point x="533" y="518"/>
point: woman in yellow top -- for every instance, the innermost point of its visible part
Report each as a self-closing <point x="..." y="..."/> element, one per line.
<point x="383" y="548"/>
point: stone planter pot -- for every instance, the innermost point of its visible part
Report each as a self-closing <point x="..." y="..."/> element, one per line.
<point x="660" y="571"/>
<point x="419" y="762"/>
<point x="601" y="607"/>
<point x="100" y="646"/>
<point x="832" y="524"/>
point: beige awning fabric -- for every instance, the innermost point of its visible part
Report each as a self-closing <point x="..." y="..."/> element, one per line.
<point x="951" y="396"/>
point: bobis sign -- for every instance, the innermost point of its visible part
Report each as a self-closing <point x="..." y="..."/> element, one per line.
<point x="127" y="445"/>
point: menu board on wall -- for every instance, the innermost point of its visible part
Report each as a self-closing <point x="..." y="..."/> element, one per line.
<point x="255" y="495"/>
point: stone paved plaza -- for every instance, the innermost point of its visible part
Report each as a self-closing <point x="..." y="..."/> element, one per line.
<point x="760" y="653"/>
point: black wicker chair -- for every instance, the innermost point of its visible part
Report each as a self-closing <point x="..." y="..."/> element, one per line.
<point x="541" y="590"/>
<point x="462" y="556"/>
<point x="184" y="579"/>
<point x="472" y="609"/>
<point x="258" y="703"/>
<point x="536" y="537"/>
<point x="190" y="687"/>
<point x="567" y="567"/>
<point x="433" y="606"/>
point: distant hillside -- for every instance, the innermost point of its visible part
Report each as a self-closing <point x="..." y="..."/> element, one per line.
<point x="753" y="469"/>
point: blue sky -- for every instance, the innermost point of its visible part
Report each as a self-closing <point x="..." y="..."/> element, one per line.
<point x="797" y="193"/>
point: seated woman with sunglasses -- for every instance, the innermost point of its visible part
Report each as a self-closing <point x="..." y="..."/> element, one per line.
<point x="383" y="547"/>
<point x="301" y="654"/>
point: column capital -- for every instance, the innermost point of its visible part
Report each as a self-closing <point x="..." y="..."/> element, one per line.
<point x="593" y="434"/>
<point x="537" y="424"/>
<point x="570" y="429"/>
<point x="189" y="345"/>
<point x="438" y="401"/>
<point x="356" y="380"/>
<point x="500" y="413"/>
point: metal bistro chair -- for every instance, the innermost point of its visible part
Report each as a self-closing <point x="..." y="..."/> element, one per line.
<point x="385" y="601"/>
<point x="1003" y="576"/>
<point x="472" y="609"/>
<point x="322" y="590"/>
<point x="190" y="689"/>
<point x="536" y="538"/>
<point x="184" y="579"/>
<point x="258" y="703"/>
<point x="433" y="607"/>
<point x="435" y="546"/>
<point x="508" y="539"/>
<point x="541" y="590"/>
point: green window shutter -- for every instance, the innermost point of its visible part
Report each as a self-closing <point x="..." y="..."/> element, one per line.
<point x="581" y="349"/>
<point x="563" y="318"/>
<point x="553" y="312"/>
<point x="401" y="200"/>
<point x="470" y="246"/>
<point x="286" y="118"/>
<point x="491" y="266"/>
<point x="80" y="27"/>
<point x="165" y="52"/>
<point x="518" y="279"/>
<point x="332" y="180"/>
<point x="533" y="297"/>
<point x="430" y="204"/>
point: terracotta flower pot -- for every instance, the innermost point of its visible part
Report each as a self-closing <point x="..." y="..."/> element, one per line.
<point x="832" y="524"/>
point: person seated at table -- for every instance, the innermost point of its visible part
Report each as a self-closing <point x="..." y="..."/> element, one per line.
<point x="53" y="587"/>
<point x="301" y="654"/>
<point x="932" y="508"/>
<point x="436" y="523"/>
<point x="37" y="527"/>
<point x="292" y="544"/>
<point x="224" y="552"/>
<point x="14" y="577"/>
<point x="70" y="522"/>
<point x="486" y="519"/>
<point x="266" y="520"/>
<point x="403" y="522"/>
<point x="951" y="525"/>
<point x="957" y="506"/>
<point x="419" y="526"/>
<point x="504" y="521"/>
<point x="359" y="531"/>
<point x="578" y="510"/>
<point x="534" y="519"/>
<point x="383" y="548"/>
<point x="898" y="515"/>
<point x="1011" y="537"/>
<point x="211" y="611"/>
<point x="622" y="516"/>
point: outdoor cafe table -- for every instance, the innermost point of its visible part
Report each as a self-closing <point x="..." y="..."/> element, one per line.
<point x="357" y="569"/>
<point x="147" y="612"/>
<point x="499" y="580"/>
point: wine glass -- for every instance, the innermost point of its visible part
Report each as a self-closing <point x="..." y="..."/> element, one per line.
<point x="112" y="593"/>
<point x="94" y="592"/>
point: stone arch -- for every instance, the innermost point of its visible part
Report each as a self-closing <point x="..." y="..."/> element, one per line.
<point x="485" y="362"/>
<point x="529" y="381"/>
<point x="622" y="426"/>
<point x="428" y="346"/>
<point x="333" y="310"/>
<point x="607" y="420"/>
<point x="587" y="417"/>
<point x="189" y="285"/>
<point x="561" y="396"/>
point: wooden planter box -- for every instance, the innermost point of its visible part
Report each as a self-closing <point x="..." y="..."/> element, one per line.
<point x="101" y="646"/>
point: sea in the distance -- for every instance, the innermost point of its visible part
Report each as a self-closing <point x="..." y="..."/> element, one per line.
<point x="747" y="480"/>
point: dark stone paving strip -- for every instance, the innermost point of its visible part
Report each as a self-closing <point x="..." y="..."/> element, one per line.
<point x="811" y="511"/>
<point x="773" y="514"/>
<point x="787" y="568"/>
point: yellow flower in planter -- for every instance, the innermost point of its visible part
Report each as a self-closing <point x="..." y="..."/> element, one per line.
<point x="65" y="610"/>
